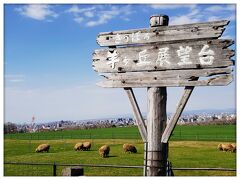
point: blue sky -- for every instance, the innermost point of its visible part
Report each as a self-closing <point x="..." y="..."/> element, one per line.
<point x="48" y="51"/>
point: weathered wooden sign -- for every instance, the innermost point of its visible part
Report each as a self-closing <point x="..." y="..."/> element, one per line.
<point x="163" y="34"/>
<point x="159" y="57"/>
<point x="185" y="55"/>
<point x="181" y="55"/>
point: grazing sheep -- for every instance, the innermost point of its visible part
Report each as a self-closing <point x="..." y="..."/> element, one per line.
<point x="226" y="147"/>
<point x="129" y="148"/>
<point x="104" y="151"/>
<point x="78" y="147"/>
<point x="43" y="147"/>
<point x="86" y="146"/>
<point x="234" y="147"/>
<point x="220" y="147"/>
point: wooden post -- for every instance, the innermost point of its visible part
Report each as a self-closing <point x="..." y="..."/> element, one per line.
<point x="54" y="169"/>
<point x="140" y="123"/>
<point x="137" y="114"/>
<point x="181" y="105"/>
<point x="156" y="120"/>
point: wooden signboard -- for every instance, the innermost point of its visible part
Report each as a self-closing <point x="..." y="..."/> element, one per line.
<point x="165" y="56"/>
<point x="163" y="34"/>
<point x="158" y="57"/>
<point x="175" y="55"/>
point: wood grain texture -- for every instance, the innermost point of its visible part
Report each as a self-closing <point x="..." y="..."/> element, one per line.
<point x="137" y="114"/>
<point x="156" y="123"/>
<point x="174" y="119"/>
<point x="220" y="80"/>
<point x="163" y="34"/>
<point x="152" y="57"/>
<point x="169" y="74"/>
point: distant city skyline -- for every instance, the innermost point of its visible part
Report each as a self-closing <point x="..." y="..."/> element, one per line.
<point x="48" y="59"/>
<point x="130" y="115"/>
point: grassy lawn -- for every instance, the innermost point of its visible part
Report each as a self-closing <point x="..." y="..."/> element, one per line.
<point x="190" y="146"/>
<point x="181" y="154"/>
<point x="192" y="133"/>
<point x="205" y="132"/>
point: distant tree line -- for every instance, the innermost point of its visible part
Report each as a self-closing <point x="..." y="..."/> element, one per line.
<point x="10" y="128"/>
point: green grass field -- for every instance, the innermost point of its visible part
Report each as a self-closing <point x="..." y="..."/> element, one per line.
<point x="208" y="133"/>
<point x="181" y="153"/>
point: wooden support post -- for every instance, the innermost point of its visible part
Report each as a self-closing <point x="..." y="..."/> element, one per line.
<point x="140" y="123"/>
<point x="157" y="118"/>
<point x="181" y="105"/>
<point x="137" y="114"/>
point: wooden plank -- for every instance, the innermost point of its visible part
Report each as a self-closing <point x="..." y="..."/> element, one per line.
<point x="163" y="34"/>
<point x="176" y="55"/>
<point x="220" y="80"/>
<point x="180" y="107"/>
<point x="137" y="114"/>
<point x="169" y="74"/>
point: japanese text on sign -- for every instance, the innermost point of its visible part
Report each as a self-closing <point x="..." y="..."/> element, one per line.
<point x="134" y="37"/>
<point x="206" y="57"/>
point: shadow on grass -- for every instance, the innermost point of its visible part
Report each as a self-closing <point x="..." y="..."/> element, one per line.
<point x="112" y="156"/>
<point x="109" y="157"/>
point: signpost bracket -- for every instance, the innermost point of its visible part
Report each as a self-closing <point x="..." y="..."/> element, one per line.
<point x="137" y="113"/>
<point x="180" y="107"/>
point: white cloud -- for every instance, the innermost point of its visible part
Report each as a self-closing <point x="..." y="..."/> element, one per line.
<point x="127" y="10"/>
<point x="14" y="78"/>
<point x="173" y="6"/>
<point x="104" y="17"/>
<point x="226" y="16"/>
<point x="182" y="20"/>
<point x="81" y="14"/>
<point x="73" y="9"/>
<point x="76" y="10"/>
<point x="193" y="16"/>
<point x="14" y="75"/>
<point x="99" y="14"/>
<point x="89" y="14"/>
<point x="78" y="19"/>
<point x="220" y="8"/>
<point x="214" y="8"/>
<point x="220" y="12"/>
<point x="95" y="23"/>
<point x="195" y="13"/>
<point x="213" y="18"/>
<point x="37" y="11"/>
